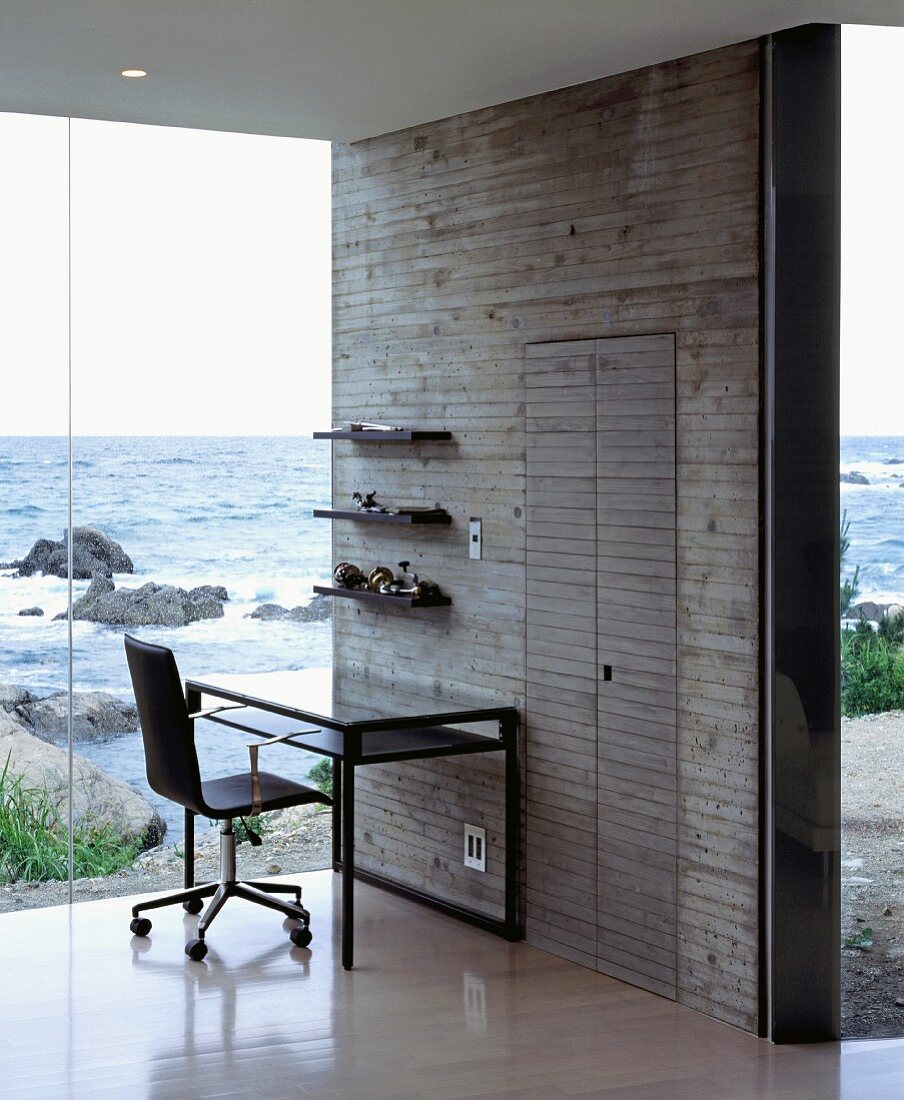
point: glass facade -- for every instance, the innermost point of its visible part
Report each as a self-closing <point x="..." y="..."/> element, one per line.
<point x="182" y="279"/>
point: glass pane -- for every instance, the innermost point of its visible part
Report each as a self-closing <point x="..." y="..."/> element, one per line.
<point x="34" y="495"/>
<point x="200" y="367"/>
<point x="872" y="503"/>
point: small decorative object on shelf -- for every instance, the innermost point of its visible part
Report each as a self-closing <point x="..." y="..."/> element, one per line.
<point x="364" y="426"/>
<point x="347" y="575"/>
<point x="408" y="584"/>
<point x="382" y="586"/>
<point x="378" y="577"/>
<point x="368" y="503"/>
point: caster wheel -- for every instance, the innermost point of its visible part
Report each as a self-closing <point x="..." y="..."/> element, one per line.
<point x="195" y="905"/>
<point x="196" y="950"/>
<point x="140" y="926"/>
<point x="301" y="937"/>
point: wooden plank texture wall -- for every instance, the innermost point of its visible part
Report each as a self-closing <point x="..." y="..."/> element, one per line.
<point x="625" y="206"/>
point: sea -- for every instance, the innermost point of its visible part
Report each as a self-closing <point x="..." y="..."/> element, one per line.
<point x="875" y="514"/>
<point x="188" y="511"/>
<point x="237" y="512"/>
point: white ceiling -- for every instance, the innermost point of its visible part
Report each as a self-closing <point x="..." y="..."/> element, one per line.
<point x="348" y="69"/>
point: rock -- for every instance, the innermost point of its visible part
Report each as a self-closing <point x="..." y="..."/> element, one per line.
<point x="12" y="696"/>
<point x="95" y="716"/>
<point x="98" y="796"/>
<point x="319" y="609"/>
<point x="868" y="610"/>
<point x="269" y="611"/>
<point x="99" y="586"/>
<point x="93" y="552"/>
<point x="150" y="605"/>
<point x="893" y="462"/>
<point x="35" y="611"/>
<point x="215" y="591"/>
<point x="854" y="478"/>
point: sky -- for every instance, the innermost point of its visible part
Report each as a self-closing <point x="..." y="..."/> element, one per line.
<point x="200" y="270"/>
<point x="200" y="275"/>
<point x="872" y="231"/>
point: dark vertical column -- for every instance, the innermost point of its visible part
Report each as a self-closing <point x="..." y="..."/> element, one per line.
<point x="801" y="636"/>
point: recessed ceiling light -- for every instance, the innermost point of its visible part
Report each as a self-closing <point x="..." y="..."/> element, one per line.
<point x="134" y="74"/>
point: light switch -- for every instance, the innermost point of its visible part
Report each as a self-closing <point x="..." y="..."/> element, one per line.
<point x="475" y="538"/>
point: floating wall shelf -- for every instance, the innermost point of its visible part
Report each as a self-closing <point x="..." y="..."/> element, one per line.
<point x="385" y="437"/>
<point x="367" y="596"/>
<point x="383" y="517"/>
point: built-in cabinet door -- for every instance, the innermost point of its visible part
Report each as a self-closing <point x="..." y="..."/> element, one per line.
<point x="636" y="644"/>
<point x="561" y="703"/>
<point x="601" y="664"/>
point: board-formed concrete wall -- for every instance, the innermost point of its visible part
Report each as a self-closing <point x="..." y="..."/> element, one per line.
<point x="624" y="207"/>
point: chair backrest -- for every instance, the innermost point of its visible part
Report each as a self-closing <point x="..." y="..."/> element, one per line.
<point x="169" y="743"/>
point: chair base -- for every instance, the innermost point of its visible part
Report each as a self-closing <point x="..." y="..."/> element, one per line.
<point x="228" y="886"/>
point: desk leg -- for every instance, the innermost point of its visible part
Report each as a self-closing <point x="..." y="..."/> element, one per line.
<point x="512" y="827"/>
<point x="348" y="863"/>
<point x="337" y="815"/>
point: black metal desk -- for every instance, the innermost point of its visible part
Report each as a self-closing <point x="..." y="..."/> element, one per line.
<point x="358" y="725"/>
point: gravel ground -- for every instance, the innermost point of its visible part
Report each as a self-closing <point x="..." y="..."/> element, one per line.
<point x="872" y="873"/>
<point x="294" y="840"/>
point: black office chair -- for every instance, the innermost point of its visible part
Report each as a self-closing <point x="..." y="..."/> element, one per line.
<point x="172" y="769"/>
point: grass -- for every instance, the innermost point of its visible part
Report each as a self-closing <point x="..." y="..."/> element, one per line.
<point x="321" y="775"/>
<point x="34" y="840"/>
<point x="872" y="673"/>
<point x="850" y="588"/>
<point x="872" y="661"/>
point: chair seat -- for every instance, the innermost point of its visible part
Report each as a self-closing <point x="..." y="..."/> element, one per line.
<point x="231" y="796"/>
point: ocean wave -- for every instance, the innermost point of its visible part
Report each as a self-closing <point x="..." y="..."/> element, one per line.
<point x="24" y="510"/>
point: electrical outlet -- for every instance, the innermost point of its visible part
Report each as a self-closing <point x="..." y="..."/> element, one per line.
<point x="475" y="538"/>
<point x="475" y="847"/>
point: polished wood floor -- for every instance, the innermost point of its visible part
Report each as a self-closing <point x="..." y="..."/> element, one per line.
<point x="434" y="1010"/>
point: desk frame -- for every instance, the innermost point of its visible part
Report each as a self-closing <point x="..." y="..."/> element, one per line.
<point x="345" y="743"/>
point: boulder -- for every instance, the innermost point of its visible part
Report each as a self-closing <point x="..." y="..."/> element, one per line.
<point x="854" y="478"/>
<point x="12" y="696"/>
<point x="317" y="610"/>
<point x="35" y="611"/>
<point x="873" y="611"/>
<point x="98" y="796"/>
<point x="215" y="591"/>
<point x="96" y="716"/>
<point x="93" y="553"/>
<point x="868" y="609"/>
<point x="150" y="605"/>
